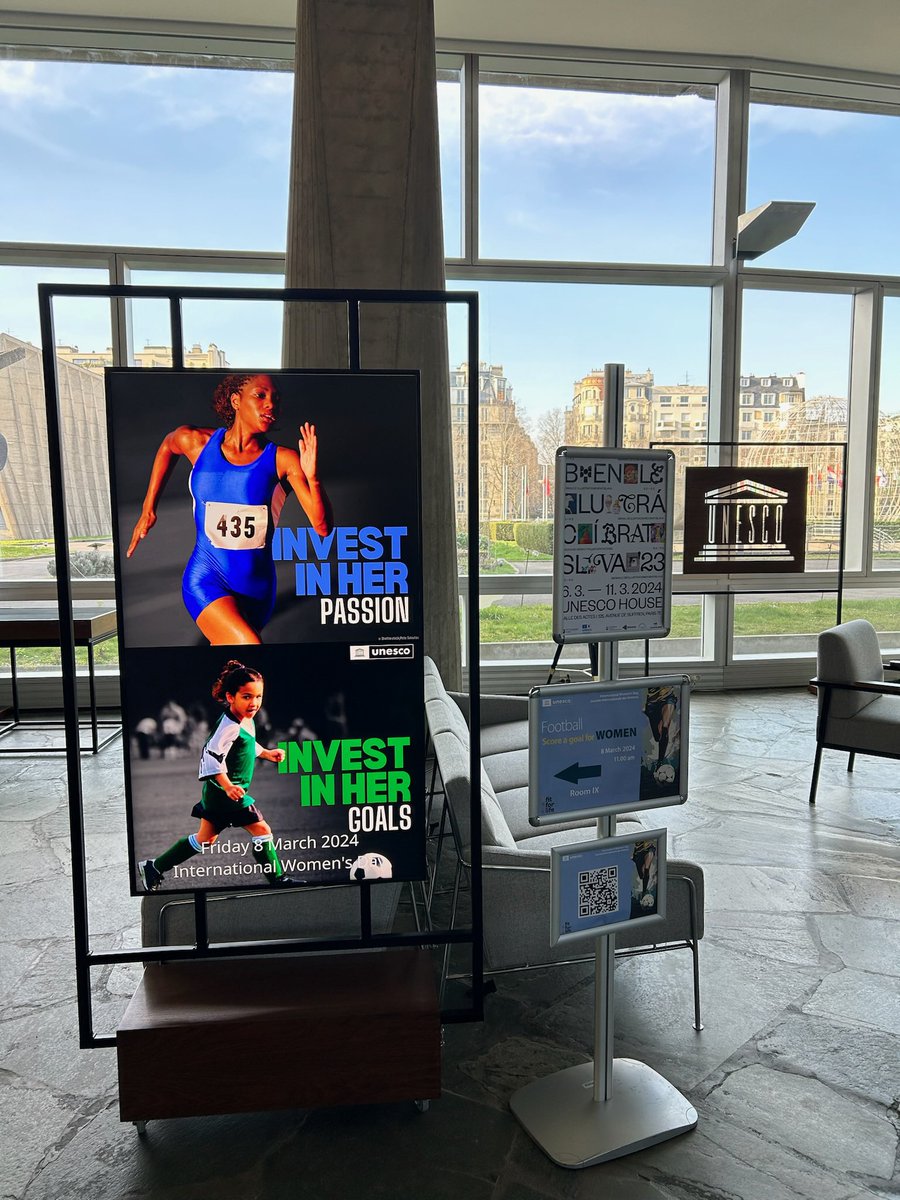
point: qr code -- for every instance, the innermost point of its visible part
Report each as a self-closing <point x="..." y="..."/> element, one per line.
<point x="598" y="892"/>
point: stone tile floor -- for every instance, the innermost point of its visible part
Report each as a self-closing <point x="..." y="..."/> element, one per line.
<point x="796" y="1075"/>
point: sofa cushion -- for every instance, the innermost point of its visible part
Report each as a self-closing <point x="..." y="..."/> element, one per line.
<point x="443" y="715"/>
<point x="546" y="838"/>
<point x="874" y="728"/>
<point x="452" y="752"/>
<point x="507" y="770"/>
<point x="504" y="738"/>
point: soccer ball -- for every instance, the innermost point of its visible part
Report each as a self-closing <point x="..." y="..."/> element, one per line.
<point x="647" y="901"/>
<point x="371" y="866"/>
<point x="664" y="773"/>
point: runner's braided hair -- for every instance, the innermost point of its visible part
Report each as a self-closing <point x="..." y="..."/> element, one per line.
<point x="221" y="400"/>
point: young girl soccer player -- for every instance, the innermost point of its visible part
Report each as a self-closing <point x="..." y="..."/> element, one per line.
<point x="226" y="769"/>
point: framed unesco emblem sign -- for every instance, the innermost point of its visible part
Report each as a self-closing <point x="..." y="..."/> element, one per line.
<point x="744" y="519"/>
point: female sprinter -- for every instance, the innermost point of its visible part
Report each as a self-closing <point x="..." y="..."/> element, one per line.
<point x="237" y="480"/>
<point x="226" y="769"/>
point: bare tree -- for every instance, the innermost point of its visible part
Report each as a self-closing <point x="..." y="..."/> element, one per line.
<point x="550" y="434"/>
<point x="508" y="464"/>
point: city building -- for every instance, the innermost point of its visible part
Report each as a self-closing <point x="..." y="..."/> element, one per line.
<point x="511" y="482"/>
<point x="25" y="503"/>
<point x="151" y="356"/>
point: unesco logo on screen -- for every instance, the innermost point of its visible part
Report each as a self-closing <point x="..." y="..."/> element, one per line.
<point x="393" y="650"/>
<point x="740" y="519"/>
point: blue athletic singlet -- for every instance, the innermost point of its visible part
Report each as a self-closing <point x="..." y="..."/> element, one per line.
<point x="236" y="509"/>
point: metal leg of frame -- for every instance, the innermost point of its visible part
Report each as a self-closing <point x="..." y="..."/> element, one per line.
<point x="425" y="916"/>
<point x="815" y="774"/>
<point x="429" y="798"/>
<point x="442" y="833"/>
<point x="14" y="681"/>
<point x="92" y="691"/>
<point x="96" y="743"/>
<point x="851" y="760"/>
<point x="445" y="969"/>
<point x="426" y="913"/>
<point x="695" y="952"/>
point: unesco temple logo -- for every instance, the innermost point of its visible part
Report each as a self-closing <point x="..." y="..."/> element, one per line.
<point x="737" y="519"/>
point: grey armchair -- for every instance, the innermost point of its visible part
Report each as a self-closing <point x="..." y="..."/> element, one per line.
<point x="858" y="711"/>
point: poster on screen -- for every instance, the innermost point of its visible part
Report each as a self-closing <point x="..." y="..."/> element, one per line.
<point x="331" y="594"/>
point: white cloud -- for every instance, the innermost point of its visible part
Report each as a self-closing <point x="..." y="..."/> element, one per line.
<point x="22" y="82"/>
<point x="819" y="122"/>
<point x="205" y="98"/>
<point x="575" y="121"/>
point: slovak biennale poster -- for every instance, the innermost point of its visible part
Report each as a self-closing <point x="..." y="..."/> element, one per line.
<point x="269" y="575"/>
<point x="612" y="544"/>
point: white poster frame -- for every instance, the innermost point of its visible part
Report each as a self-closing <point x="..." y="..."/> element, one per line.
<point x="586" y="494"/>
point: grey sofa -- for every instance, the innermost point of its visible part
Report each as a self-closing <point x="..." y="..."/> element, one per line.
<point x="858" y="711"/>
<point x="515" y="854"/>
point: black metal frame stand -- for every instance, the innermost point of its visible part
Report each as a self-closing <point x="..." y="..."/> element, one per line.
<point x="85" y="958"/>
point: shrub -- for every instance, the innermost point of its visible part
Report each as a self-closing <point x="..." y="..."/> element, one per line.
<point x="536" y="536"/>
<point x="87" y="564"/>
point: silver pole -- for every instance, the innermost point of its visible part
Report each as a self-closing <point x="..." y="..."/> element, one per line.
<point x="604" y="1012"/>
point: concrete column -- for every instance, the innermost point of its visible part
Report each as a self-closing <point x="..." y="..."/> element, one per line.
<point x="365" y="212"/>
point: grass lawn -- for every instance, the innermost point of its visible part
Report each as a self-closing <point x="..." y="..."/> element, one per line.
<point x="11" y="550"/>
<point x="513" y="552"/>
<point x="46" y="658"/>
<point x="532" y="622"/>
<point x="44" y="549"/>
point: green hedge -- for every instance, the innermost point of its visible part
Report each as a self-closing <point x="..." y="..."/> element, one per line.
<point x="534" y="535"/>
<point x="499" y="531"/>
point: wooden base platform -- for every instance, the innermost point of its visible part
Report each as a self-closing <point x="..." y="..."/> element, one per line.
<point x="201" y="1038"/>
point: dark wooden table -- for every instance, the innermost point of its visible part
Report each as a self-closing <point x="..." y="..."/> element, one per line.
<point x="26" y="624"/>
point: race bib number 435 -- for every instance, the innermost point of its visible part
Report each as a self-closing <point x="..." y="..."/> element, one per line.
<point x="236" y="526"/>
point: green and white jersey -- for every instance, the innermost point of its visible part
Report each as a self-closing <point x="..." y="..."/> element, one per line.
<point x="231" y="749"/>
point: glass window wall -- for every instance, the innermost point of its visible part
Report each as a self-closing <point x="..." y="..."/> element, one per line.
<point x="805" y="337"/>
<point x="886" y="491"/>
<point x="575" y="171"/>
<point x="26" y="519"/>
<point x="833" y="158"/>
<point x="144" y="155"/>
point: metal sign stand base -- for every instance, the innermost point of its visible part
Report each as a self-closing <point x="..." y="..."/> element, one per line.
<point x="603" y="1109"/>
<point x="574" y="1130"/>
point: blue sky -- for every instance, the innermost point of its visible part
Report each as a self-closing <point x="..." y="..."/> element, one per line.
<point x="198" y="158"/>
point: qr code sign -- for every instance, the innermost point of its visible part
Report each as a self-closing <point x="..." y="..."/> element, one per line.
<point x="598" y="892"/>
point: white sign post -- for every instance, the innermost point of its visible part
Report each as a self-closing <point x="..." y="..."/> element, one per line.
<point x="597" y="749"/>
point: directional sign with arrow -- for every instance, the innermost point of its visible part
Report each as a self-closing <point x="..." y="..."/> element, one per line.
<point x="600" y="748"/>
<point x="576" y="772"/>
